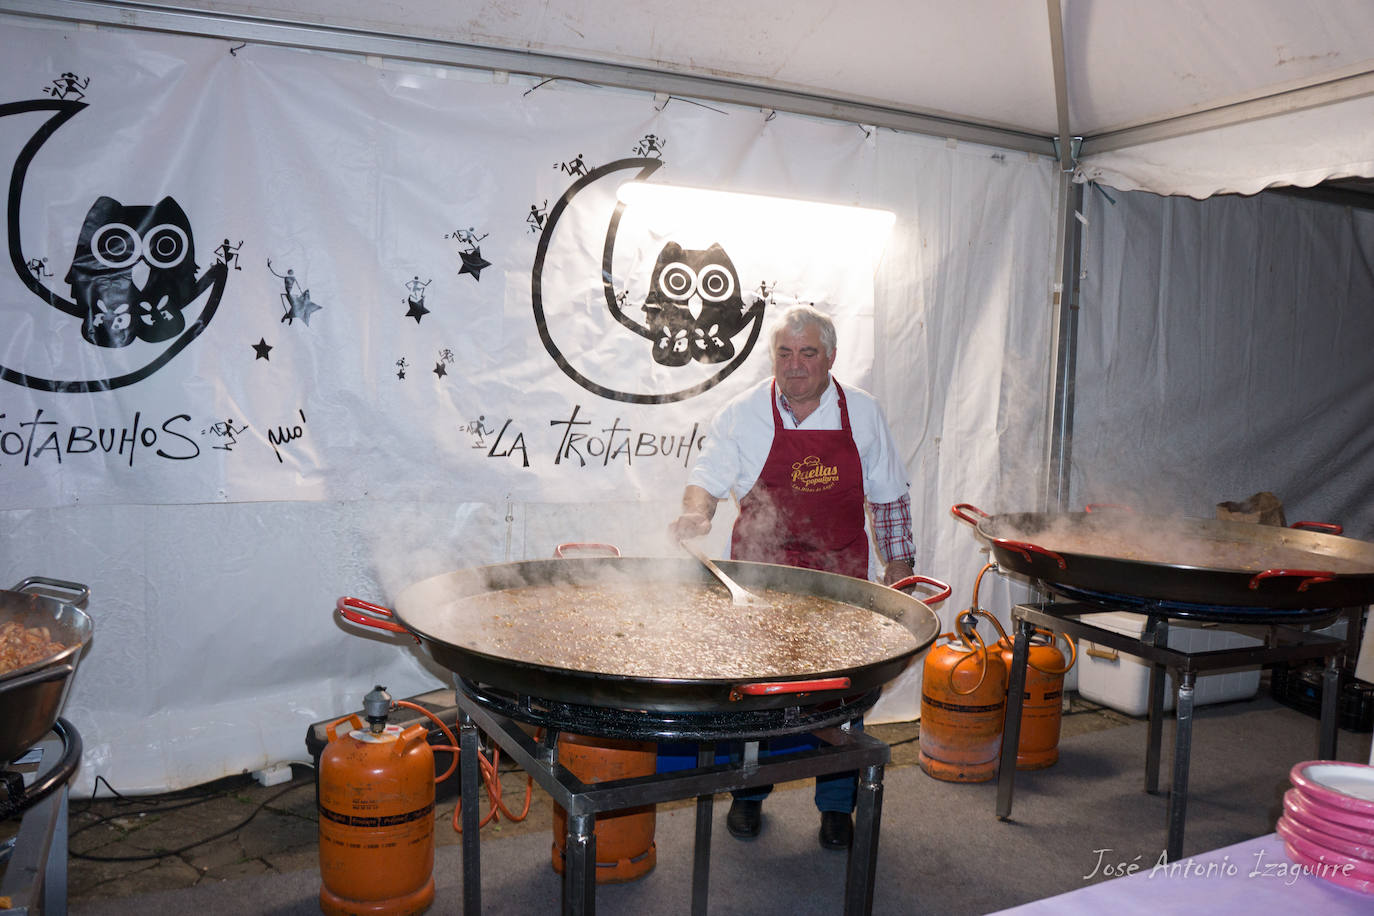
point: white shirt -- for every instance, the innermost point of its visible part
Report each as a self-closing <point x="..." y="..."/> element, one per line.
<point x="741" y="436"/>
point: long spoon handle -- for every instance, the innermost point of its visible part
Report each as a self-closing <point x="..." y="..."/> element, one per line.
<point x="738" y="593"/>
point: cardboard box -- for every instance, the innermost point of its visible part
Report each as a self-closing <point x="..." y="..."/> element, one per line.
<point x="1122" y="682"/>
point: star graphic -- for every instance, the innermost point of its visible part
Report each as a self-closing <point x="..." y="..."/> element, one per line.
<point x="439" y="370"/>
<point x="263" y="348"/>
<point x="417" y="310"/>
<point x="473" y="262"/>
<point x="301" y="307"/>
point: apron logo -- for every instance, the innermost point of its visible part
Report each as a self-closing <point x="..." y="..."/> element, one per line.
<point x="811" y="476"/>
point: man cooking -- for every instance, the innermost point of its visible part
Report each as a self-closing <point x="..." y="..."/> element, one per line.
<point x="803" y="456"/>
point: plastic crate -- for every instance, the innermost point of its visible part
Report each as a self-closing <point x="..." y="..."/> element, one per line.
<point x="1300" y="687"/>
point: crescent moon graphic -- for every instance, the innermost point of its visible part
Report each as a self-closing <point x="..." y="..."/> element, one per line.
<point x="213" y="279"/>
<point x="590" y="316"/>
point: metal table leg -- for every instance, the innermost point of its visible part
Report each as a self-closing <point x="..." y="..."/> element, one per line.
<point x="35" y="882"/>
<point x="467" y="775"/>
<point x="1284" y="643"/>
<point x="861" y="874"/>
<point x="55" y="876"/>
<point x="1011" y="731"/>
<point x="701" y="856"/>
<point x="1156" y="634"/>
<point x="1183" y="746"/>
<point x="841" y="751"/>
<point x="579" y="866"/>
<point x="1331" y="687"/>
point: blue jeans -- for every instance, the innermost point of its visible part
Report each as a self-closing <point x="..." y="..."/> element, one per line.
<point x="835" y="792"/>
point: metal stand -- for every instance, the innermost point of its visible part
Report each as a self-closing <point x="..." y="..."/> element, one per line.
<point x="35" y="879"/>
<point x="842" y="750"/>
<point x="1284" y="643"/>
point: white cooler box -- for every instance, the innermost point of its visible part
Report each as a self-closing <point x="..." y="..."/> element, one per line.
<point x="1123" y="682"/>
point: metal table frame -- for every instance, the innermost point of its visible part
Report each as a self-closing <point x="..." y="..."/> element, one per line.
<point x="1284" y="642"/>
<point x="843" y="749"/>
<point x="35" y="878"/>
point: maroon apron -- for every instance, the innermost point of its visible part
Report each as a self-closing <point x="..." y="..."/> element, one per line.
<point x="807" y="507"/>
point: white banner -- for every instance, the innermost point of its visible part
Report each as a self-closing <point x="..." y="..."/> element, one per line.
<point x="448" y="362"/>
<point x="240" y="274"/>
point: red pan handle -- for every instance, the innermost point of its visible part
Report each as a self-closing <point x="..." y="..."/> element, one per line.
<point x="1319" y="526"/>
<point x="560" y="550"/>
<point x="1308" y="576"/>
<point x="1025" y="548"/>
<point x="918" y="580"/>
<point x="958" y="511"/>
<point x="776" y="687"/>
<point x="1022" y="547"/>
<point x="376" y="616"/>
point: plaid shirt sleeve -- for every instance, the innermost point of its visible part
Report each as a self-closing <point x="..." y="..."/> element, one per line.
<point x="892" y="527"/>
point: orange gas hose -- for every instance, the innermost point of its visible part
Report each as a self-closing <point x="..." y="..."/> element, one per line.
<point x="975" y="609"/>
<point x="982" y="655"/>
<point x="963" y="633"/>
<point x="978" y="582"/>
<point x="1052" y="639"/>
<point x="491" y="778"/>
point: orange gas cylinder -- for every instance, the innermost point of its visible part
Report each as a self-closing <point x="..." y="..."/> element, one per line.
<point x="376" y="807"/>
<point x="1042" y="700"/>
<point x="625" y="847"/>
<point x="963" y="705"/>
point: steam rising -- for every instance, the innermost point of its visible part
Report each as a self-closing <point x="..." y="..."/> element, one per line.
<point x="408" y="542"/>
<point x="1184" y="542"/>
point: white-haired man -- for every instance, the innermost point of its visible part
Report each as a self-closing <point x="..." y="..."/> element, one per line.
<point x="804" y="457"/>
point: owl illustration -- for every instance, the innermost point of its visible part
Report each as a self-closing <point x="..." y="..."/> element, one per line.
<point x="133" y="272"/>
<point x="694" y="306"/>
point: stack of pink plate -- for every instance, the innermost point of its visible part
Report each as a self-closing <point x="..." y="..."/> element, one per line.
<point x="1327" y="823"/>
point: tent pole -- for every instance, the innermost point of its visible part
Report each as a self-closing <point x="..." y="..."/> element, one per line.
<point x="1354" y="86"/>
<point x="1064" y="355"/>
<point x="1064" y="301"/>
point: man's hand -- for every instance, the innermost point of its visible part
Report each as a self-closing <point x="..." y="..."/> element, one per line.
<point x="896" y="571"/>
<point x="690" y="525"/>
<point x="698" y="508"/>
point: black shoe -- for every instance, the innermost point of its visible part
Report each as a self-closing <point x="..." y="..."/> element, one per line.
<point x="837" y="830"/>
<point x="744" y="817"/>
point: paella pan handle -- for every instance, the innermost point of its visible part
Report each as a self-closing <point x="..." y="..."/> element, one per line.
<point x="60" y="589"/>
<point x="1318" y="526"/>
<point x="1308" y="577"/>
<point x="367" y="614"/>
<point x="608" y="549"/>
<point x="944" y="590"/>
<point x="958" y="511"/>
<point x="1026" y="548"/>
<point x="774" y="688"/>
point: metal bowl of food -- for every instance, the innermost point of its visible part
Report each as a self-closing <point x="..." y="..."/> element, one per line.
<point x="43" y="632"/>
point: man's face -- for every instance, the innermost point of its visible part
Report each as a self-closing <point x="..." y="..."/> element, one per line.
<point x="800" y="365"/>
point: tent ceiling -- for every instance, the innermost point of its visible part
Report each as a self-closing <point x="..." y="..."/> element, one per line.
<point x="1134" y="72"/>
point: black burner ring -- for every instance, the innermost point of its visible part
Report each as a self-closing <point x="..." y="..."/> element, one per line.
<point x="1208" y="613"/>
<point x="56" y="777"/>
<point x="654" y="725"/>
